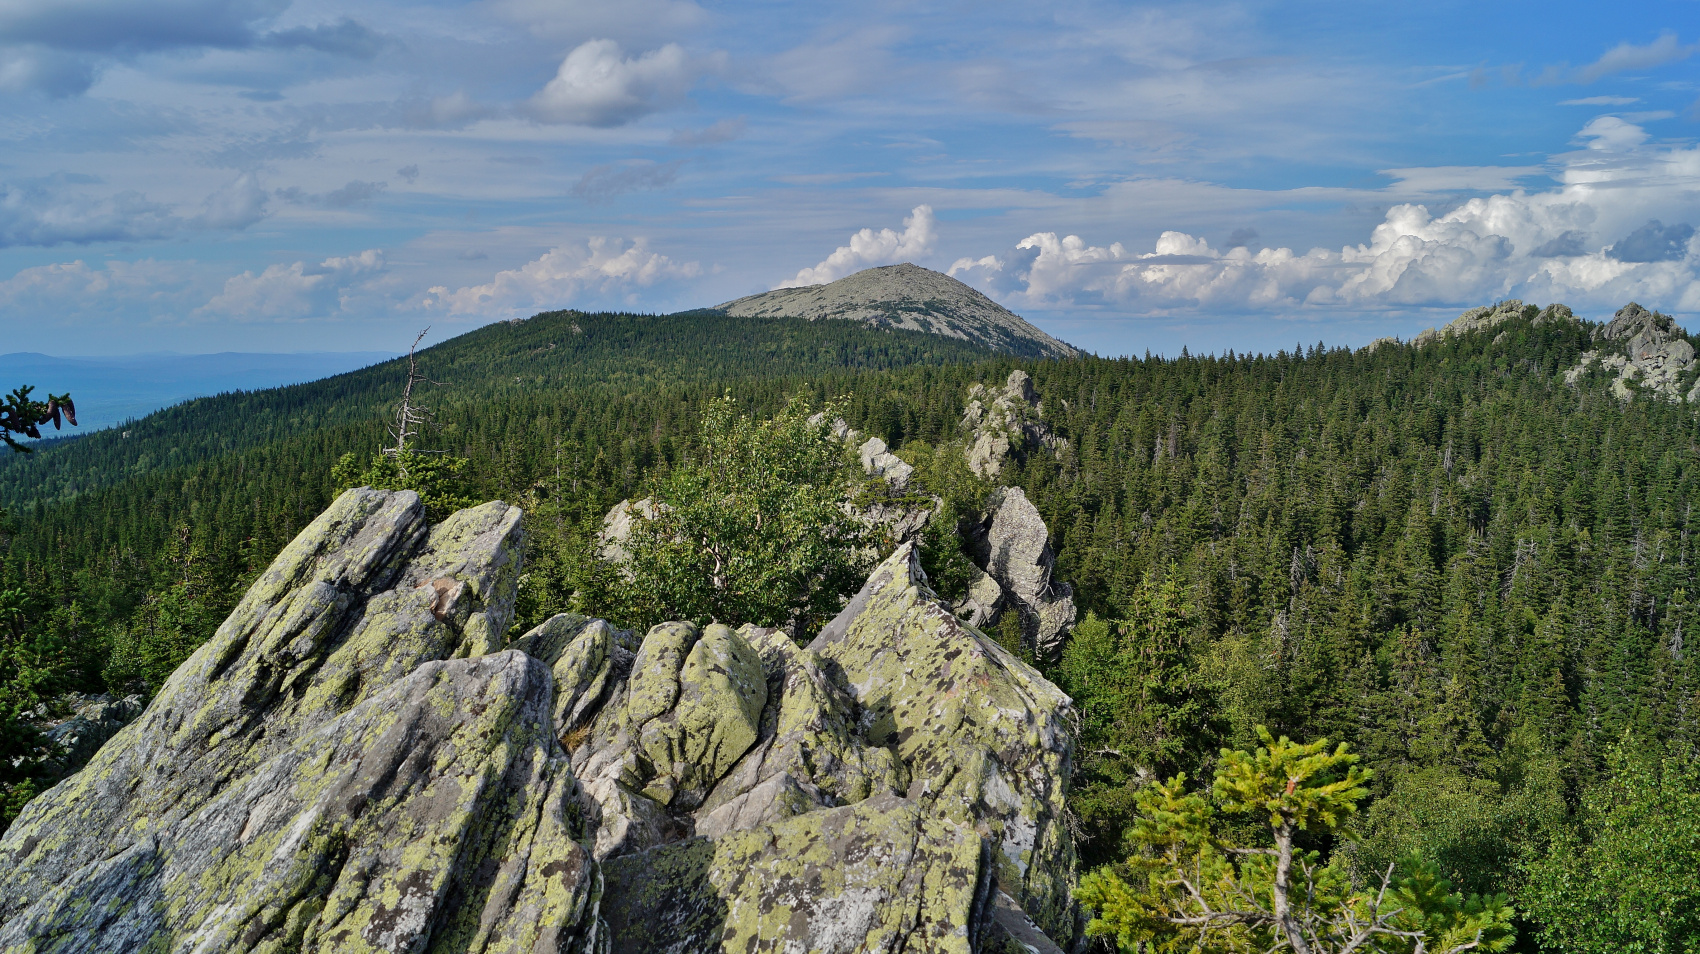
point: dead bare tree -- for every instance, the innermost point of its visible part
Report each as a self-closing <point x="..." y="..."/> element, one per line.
<point x="410" y="415"/>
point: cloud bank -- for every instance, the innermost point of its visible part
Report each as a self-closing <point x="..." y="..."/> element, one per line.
<point x="1617" y="228"/>
<point x="868" y="248"/>
<point x="605" y="267"/>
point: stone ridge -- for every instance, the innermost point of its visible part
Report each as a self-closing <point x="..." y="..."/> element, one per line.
<point x="1646" y="352"/>
<point x="910" y="298"/>
<point x="356" y="763"/>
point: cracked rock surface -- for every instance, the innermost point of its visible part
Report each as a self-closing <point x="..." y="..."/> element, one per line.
<point x="354" y="762"/>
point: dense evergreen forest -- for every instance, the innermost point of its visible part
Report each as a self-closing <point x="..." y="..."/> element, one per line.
<point x="1475" y="574"/>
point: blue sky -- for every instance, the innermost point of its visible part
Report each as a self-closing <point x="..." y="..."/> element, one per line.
<point x="290" y="175"/>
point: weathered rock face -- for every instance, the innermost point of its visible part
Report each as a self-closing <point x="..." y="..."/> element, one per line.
<point x="1644" y="349"/>
<point x="353" y="763"/>
<point x="332" y="771"/>
<point x="735" y="822"/>
<point x="881" y="875"/>
<point x="984" y="738"/>
<point x="1016" y="552"/>
<point x="1486" y="318"/>
<point x="618" y="524"/>
<point x="1005" y="421"/>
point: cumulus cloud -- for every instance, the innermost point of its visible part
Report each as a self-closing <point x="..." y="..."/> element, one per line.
<point x="868" y="248"/>
<point x="34" y="215"/>
<point x="598" y="85"/>
<point x="607" y="181"/>
<point x="63" y="288"/>
<point x="298" y="290"/>
<point x="237" y="205"/>
<point x="602" y="266"/>
<point x="1592" y="242"/>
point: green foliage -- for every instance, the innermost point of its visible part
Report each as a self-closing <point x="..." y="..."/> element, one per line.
<point x="1145" y="712"/>
<point x="943" y="472"/>
<point x="751" y="529"/>
<point x="1191" y="886"/>
<point x="436" y="478"/>
<point x="19" y="414"/>
<point x="1629" y="879"/>
<point x="171" y="622"/>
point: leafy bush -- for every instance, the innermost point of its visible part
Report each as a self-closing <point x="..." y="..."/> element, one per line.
<point x="752" y="529"/>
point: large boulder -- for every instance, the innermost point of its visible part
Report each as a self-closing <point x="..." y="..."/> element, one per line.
<point x="343" y="766"/>
<point x="882" y="875"/>
<point x="1015" y="550"/>
<point x="985" y="740"/>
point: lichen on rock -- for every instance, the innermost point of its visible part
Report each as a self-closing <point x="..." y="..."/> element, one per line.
<point x="330" y="771"/>
<point x="882" y="875"/>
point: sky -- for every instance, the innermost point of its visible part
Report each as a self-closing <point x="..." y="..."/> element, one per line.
<point x="294" y="175"/>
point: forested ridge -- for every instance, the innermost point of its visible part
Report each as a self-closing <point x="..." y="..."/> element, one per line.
<point x="1476" y="574"/>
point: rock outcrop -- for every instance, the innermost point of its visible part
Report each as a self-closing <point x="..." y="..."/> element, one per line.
<point x="1488" y="317"/>
<point x="354" y="762"/>
<point x="1015" y="550"/>
<point x="911" y="298"/>
<point x="742" y="739"/>
<point x="349" y="764"/>
<point x="1647" y="352"/>
<point x="1005" y="421"/>
<point x="1011" y="544"/>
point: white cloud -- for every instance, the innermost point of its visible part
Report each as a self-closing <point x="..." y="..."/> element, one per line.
<point x="298" y="290"/>
<point x="1627" y="56"/>
<point x="605" y="267"/>
<point x="74" y="293"/>
<point x="1601" y="238"/>
<point x="33" y="215"/>
<point x="237" y="205"/>
<point x="868" y="248"/>
<point x="598" y="85"/>
<point x="1602" y="101"/>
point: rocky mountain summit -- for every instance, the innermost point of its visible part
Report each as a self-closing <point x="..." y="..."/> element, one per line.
<point x="357" y="762"/>
<point x="911" y="298"/>
<point x="1647" y="352"/>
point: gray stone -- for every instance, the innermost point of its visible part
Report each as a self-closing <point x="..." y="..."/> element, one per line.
<point x="1016" y="551"/>
<point x="327" y="772"/>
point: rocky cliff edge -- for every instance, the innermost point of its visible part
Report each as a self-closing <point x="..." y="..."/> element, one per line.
<point x="355" y="763"/>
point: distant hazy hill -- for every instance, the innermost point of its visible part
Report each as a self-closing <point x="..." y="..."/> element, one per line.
<point x="912" y="298"/>
<point x="110" y="391"/>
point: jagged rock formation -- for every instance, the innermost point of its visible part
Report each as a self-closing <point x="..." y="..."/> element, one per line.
<point x="1005" y="421"/>
<point x="1014" y="549"/>
<point x="714" y="734"/>
<point x="72" y="741"/>
<point x="912" y="298"/>
<point x="1647" y="351"/>
<point x="348" y="764"/>
<point x="1483" y="319"/>
<point x="1011" y="544"/>
<point x="355" y="763"/>
<point x="617" y="527"/>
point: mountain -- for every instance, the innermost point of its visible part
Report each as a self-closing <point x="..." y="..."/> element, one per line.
<point x="912" y="298"/>
<point x="112" y="390"/>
